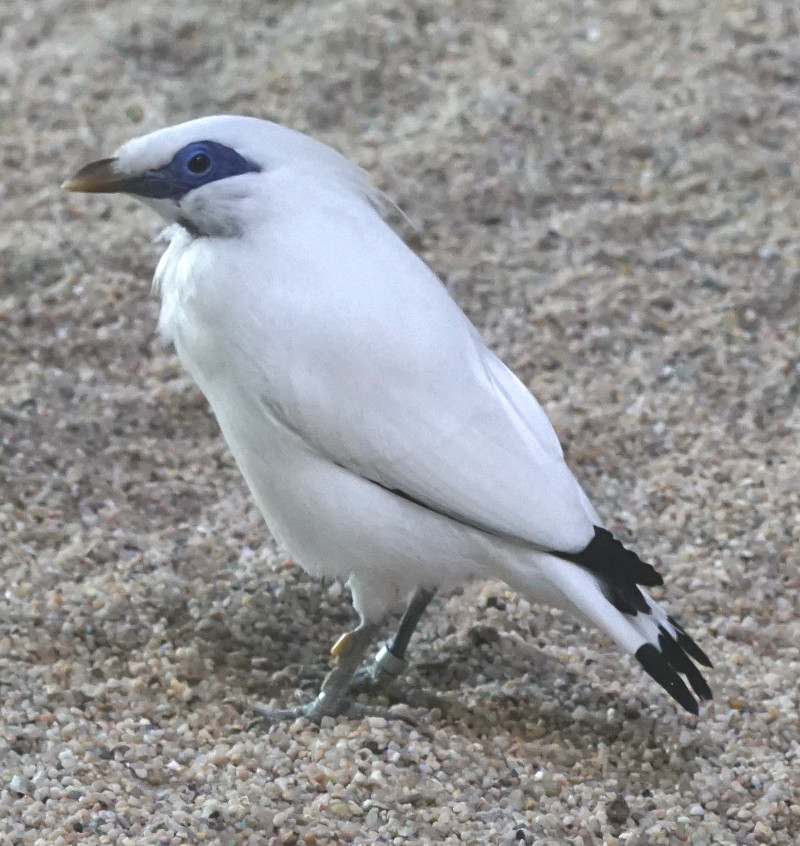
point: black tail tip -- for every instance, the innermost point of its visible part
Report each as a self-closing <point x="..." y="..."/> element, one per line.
<point x="688" y="645"/>
<point x="658" y="667"/>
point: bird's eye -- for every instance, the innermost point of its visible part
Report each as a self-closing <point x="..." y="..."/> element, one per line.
<point x="199" y="163"/>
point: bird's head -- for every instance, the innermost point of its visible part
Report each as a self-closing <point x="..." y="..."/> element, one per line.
<point x="215" y="176"/>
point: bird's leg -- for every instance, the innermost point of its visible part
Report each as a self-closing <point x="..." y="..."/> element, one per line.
<point x="334" y="697"/>
<point x="348" y="651"/>
<point x="341" y="682"/>
<point x="390" y="660"/>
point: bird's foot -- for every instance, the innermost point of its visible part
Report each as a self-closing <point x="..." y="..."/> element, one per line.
<point x="273" y="716"/>
<point x="336" y="697"/>
<point x="381" y="677"/>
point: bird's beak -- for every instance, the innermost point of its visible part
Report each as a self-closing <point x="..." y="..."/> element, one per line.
<point x="101" y="177"/>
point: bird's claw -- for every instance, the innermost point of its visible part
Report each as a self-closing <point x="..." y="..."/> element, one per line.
<point x="273" y="716"/>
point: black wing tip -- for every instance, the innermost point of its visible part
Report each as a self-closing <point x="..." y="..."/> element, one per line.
<point x="646" y="574"/>
<point x="626" y="598"/>
<point x="659" y="666"/>
<point x="607" y="557"/>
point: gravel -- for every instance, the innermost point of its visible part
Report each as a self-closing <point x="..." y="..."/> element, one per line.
<point x="610" y="191"/>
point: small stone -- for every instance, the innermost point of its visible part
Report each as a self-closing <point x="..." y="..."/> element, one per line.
<point x="580" y="714"/>
<point x="483" y="634"/>
<point x="20" y="785"/>
<point x="340" y="809"/>
<point x="618" y="811"/>
<point x="763" y="831"/>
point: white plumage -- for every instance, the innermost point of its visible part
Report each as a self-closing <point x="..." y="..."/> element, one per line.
<point x="383" y="442"/>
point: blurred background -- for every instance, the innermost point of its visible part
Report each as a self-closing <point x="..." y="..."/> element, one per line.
<point x="611" y="193"/>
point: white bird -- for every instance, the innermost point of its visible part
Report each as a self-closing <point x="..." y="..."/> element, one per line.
<point x="383" y="442"/>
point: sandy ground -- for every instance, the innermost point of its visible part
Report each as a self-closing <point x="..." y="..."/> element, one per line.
<point x="610" y="190"/>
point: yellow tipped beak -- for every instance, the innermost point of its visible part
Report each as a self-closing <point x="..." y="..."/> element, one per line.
<point x="99" y="177"/>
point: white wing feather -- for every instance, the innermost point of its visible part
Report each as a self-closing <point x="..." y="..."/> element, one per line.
<point x="365" y="356"/>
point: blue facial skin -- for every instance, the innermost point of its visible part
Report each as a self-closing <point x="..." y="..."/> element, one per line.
<point x="196" y="164"/>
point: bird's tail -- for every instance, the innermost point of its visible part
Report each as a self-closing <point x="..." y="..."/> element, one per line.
<point x="657" y="641"/>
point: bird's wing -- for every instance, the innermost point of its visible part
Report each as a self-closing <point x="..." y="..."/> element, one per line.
<point x="417" y="404"/>
<point x="354" y="345"/>
<point x="474" y="458"/>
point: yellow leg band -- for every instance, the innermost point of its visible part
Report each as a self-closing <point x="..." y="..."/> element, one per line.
<point x="342" y="645"/>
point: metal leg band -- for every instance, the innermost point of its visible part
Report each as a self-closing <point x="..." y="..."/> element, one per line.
<point x="389" y="663"/>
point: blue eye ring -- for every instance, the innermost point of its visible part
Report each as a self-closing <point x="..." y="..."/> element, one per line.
<point x="193" y="166"/>
<point x="199" y="164"/>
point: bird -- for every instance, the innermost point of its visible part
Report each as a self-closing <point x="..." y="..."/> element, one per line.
<point x="384" y="443"/>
